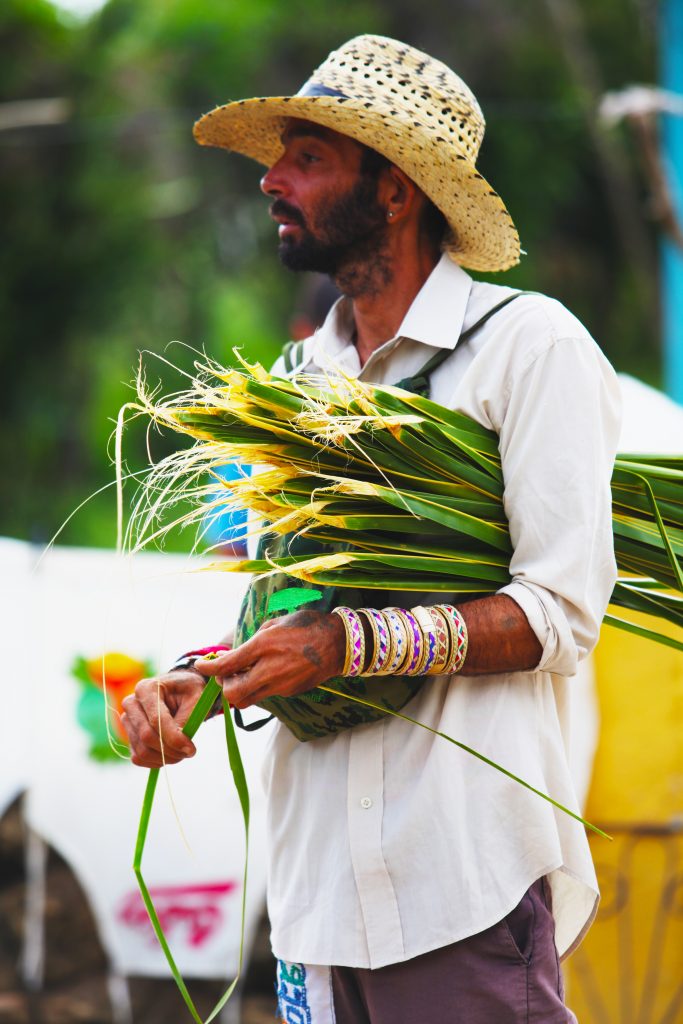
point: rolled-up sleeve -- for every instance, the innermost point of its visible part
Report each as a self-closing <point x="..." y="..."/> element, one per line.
<point x="558" y="441"/>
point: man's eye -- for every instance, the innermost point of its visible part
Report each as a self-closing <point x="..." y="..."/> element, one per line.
<point x="310" y="158"/>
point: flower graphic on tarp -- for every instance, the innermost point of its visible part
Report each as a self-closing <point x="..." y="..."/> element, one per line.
<point x="116" y="674"/>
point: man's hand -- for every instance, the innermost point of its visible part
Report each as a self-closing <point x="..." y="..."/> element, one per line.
<point x="154" y="715"/>
<point x="287" y="656"/>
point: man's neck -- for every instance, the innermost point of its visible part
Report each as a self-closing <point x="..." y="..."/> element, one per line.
<point x="379" y="315"/>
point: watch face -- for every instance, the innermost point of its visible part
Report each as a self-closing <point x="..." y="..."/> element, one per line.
<point x="185" y="662"/>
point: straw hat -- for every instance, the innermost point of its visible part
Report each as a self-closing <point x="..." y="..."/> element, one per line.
<point x="407" y="106"/>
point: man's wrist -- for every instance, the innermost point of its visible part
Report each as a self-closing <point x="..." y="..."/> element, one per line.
<point x="186" y="663"/>
<point x="338" y="637"/>
<point x="188" y="659"/>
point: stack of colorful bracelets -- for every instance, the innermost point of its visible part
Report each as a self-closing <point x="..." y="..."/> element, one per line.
<point x="405" y="642"/>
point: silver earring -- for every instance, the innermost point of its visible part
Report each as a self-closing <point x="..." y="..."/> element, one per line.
<point x="390" y="214"/>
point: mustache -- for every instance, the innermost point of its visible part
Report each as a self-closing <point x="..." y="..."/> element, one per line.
<point x="281" y="208"/>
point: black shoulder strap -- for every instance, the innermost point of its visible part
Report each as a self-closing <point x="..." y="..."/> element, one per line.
<point x="252" y="726"/>
<point x="419" y="382"/>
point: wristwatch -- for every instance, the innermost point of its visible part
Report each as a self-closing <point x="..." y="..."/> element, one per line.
<point x="185" y="661"/>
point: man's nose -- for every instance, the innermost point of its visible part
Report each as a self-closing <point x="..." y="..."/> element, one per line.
<point x="273" y="182"/>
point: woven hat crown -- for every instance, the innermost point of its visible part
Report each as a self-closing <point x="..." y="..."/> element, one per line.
<point x="384" y="75"/>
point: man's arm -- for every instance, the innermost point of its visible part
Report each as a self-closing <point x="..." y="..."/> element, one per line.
<point x="500" y="638"/>
<point x="292" y="655"/>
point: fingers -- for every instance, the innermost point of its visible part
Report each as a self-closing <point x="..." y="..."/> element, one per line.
<point x="146" y="748"/>
<point x="241" y="658"/>
<point x="229" y="663"/>
<point x="153" y="717"/>
<point x="243" y="689"/>
<point x="239" y="690"/>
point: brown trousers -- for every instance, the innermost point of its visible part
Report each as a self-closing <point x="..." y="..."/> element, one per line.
<point x="508" y="974"/>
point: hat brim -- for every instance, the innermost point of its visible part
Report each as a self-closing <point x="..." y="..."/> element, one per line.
<point x="483" y="236"/>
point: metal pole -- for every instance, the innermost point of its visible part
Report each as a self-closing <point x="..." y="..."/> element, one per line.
<point x="672" y="255"/>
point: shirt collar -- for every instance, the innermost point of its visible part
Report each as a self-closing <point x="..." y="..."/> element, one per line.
<point x="435" y="317"/>
<point x="437" y="313"/>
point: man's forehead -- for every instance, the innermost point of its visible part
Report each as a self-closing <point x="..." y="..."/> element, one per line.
<point x="298" y="128"/>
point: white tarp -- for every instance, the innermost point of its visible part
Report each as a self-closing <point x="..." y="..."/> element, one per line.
<point x="149" y="608"/>
<point x="652" y="422"/>
<point x="20" y="642"/>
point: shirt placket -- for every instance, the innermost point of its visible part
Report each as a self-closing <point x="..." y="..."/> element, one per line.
<point x="376" y="894"/>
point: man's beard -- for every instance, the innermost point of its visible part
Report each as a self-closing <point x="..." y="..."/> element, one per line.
<point x="349" y="244"/>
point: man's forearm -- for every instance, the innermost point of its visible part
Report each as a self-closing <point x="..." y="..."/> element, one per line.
<point x="500" y="638"/>
<point x="291" y="655"/>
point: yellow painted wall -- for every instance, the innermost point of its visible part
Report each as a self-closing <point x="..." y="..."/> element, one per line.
<point x="629" y="969"/>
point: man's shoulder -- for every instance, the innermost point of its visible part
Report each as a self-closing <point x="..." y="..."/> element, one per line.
<point x="530" y="313"/>
<point x="534" y="334"/>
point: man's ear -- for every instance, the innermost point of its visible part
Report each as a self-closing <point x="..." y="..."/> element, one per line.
<point x="397" y="193"/>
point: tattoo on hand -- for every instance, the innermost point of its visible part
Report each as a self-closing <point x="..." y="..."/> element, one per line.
<point x="312" y="655"/>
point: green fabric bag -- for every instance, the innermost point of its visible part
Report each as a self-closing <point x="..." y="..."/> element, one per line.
<point x="318" y="713"/>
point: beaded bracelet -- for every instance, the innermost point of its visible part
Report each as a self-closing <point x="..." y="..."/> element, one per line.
<point x="452" y="635"/>
<point x="398" y="635"/>
<point x="458" y="631"/>
<point x="355" y="641"/>
<point x="426" y="623"/>
<point x="416" y="643"/>
<point x="408" y="640"/>
<point x="442" y="640"/>
<point x="381" y="642"/>
<point x="414" y="667"/>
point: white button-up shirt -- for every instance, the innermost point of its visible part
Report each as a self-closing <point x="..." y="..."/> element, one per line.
<point x="384" y="840"/>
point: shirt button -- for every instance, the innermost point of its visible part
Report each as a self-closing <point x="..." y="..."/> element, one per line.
<point x="366" y="802"/>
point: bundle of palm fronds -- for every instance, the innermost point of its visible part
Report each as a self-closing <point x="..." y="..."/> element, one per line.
<point x="407" y="492"/>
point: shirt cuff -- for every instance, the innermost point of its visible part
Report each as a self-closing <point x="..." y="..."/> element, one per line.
<point x="549" y="624"/>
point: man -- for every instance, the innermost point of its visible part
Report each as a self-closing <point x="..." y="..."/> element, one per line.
<point x="409" y="881"/>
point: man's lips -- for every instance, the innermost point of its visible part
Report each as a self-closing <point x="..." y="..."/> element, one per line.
<point x="286" y="228"/>
<point x="288" y="217"/>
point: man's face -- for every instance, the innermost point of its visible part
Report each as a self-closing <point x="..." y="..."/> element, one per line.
<point x="323" y="200"/>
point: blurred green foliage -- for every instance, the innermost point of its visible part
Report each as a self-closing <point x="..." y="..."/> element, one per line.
<point x="121" y="235"/>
